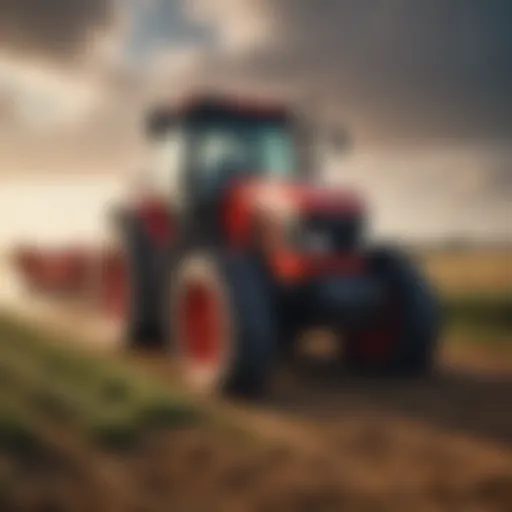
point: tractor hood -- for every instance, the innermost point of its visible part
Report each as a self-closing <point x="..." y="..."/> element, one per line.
<point x="300" y="197"/>
<point x="315" y="198"/>
<point x="248" y="201"/>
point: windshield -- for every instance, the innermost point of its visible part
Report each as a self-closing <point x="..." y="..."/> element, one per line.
<point x="247" y="146"/>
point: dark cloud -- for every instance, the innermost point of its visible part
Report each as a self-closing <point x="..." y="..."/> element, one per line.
<point x="392" y="69"/>
<point x="426" y="67"/>
<point x="395" y="68"/>
<point x="57" y="30"/>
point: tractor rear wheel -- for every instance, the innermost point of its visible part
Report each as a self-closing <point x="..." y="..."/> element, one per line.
<point x="403" y="340"/>
<point x="222" y="326"/>
<point x="142" y="293"/>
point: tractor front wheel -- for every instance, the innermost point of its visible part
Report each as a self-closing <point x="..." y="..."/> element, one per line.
<point x="402" y="340"/>
<point x="222" y="327"/>
<point x="136" y="293"/>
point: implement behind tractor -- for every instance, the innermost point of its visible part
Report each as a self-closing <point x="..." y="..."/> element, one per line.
<point x="230" y="250"/>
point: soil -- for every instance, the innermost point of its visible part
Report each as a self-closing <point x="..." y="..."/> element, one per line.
<point x="365" y="466"/>
<point x="323" y="442"/>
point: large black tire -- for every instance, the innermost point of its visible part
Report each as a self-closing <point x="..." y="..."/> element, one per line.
<point x="415" y="314"/>
<point x="143" y="326"/>
<point x="249" y="340"/>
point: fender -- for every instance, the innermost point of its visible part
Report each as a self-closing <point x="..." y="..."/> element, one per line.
<point x="155" y="216"/>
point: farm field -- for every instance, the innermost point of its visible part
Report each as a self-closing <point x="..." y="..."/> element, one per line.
<point x="84" y="433"/>
<point x="476" y="287"/>
<point x="484" y="271"/>
<point x="113" y="431"/>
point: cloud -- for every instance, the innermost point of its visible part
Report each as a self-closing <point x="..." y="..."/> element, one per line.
<point x="239" y="26"/>
<point x="442" y="191"/>
<point x="55" y="30"/>
<point x="76" y="77"/>
<point x="393" y="68"/>
<point x="40" y="97"/>
<point x="398" y="68"/>
<point x="55" y="57"/>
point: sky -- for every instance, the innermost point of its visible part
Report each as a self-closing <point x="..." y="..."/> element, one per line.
<point x="423" y="86"/>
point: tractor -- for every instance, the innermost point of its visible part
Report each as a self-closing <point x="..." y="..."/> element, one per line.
<point x="231" y="248"/>
<point x="234" y="248"/>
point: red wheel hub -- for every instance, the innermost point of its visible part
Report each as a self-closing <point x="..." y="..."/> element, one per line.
<point x="202" y="325"/>
<point x="378" y="342"/>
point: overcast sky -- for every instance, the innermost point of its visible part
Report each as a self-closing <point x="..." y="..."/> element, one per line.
<point x="423" y="85"/>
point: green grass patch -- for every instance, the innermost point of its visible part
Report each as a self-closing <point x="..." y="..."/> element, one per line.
<point x="484" y="312"/>
<point x="18" y="436"/>
<point x="111" y="404"/>
<point x="480" y="319"/>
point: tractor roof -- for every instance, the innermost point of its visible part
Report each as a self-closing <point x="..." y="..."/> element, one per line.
<point x="201" y="104"/>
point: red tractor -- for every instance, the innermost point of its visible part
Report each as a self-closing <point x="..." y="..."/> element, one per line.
<point x="235" y="250"/>
<point x="232" y="250"/>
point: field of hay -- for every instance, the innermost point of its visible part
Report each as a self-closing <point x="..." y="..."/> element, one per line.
<point x="476" y="288"/>
<point x="485" y="271"/>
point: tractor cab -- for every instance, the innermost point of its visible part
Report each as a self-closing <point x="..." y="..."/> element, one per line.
<point x="219" y="161"/>
<point x="235" y="251"/>
<point x="207" y="144"/>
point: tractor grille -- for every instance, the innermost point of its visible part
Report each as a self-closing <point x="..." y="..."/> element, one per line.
<point x="344" y="233"/>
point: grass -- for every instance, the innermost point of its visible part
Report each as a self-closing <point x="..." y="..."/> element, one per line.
<point x="480" y="312"/>
<point x="483" y="320"/>
<point x="107" y="403"/>
<point x="456" y="273"/>
<point x="17" y="433"/>
<point x="476" y="288"/>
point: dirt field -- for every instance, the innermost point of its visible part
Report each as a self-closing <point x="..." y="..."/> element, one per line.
<point x="322" y="440"/>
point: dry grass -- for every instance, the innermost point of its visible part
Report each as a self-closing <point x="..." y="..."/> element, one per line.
<point x="476" y="271"/>
<point x="476" y="286"/>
